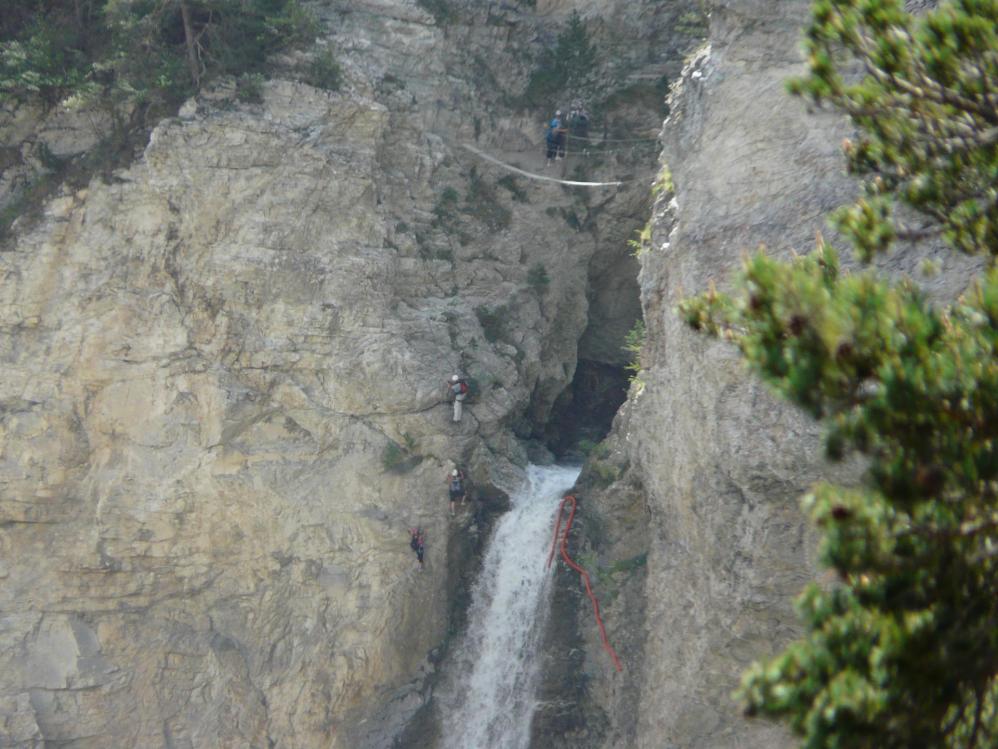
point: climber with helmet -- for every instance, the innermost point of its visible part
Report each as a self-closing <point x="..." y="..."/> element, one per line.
<point x="457" y="388"/>
<point x="456" y="489"/>
<point x="555" y="138"/>
<point x="578" y="122"/>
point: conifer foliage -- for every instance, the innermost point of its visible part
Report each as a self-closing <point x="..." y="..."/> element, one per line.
<point x="927" y="109"/>
<point x="129" y="52"/>
<point x="566" y="70"/>
<point x="902" y="651"/>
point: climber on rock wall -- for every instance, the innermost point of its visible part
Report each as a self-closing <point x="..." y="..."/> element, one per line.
<point x="457" y="388"/>
<point x="555" y="139"/>
<point x="456" y="488"/>
<point x="417" y="542"/>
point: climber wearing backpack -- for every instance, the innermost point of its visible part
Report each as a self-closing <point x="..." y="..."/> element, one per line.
<point x="456" y="489"/>
<point x="457" y="388"/>
<point x="555" y="138"/>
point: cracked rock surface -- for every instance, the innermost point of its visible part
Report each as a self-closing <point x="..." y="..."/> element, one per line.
<point x="718" y="460"/>
<point x="206" y="358"/>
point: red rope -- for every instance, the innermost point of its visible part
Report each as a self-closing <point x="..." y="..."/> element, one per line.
<point x="582" y="573"/>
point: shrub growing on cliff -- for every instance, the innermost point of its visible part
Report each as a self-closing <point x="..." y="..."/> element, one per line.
<point x="902" y="650"/>
<point x="634" y="343"/>
<point x="249" y="88"/>
<point x="537" y="278"/>
<point x="642" y="244"/>
<point x="324" y="72"/>
<point x="396" y="458"/>
<point x="567" y="69"/>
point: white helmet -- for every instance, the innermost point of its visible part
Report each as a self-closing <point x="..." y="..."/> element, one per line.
<point x="454" y="473"/>
<point x="557" y="113"/>
<point x="455" y="378"/>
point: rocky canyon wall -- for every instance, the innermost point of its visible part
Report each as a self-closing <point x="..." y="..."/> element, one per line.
<point x="222" y="399"/>
<point x="722" y="462"/>
<point x="204" y="363"/>
<point x="696" y="526"/>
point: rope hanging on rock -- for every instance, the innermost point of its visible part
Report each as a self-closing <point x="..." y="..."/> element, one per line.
<point x="540" y="177"/>
<point x="582" y="573"/>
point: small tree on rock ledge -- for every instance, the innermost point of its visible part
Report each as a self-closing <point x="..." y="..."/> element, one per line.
<point x="903" y="650"/>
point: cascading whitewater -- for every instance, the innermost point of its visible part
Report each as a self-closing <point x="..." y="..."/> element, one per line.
<point x="489" y="701"/>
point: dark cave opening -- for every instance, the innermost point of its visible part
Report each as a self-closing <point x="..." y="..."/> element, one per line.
<point x="583" y="413"/>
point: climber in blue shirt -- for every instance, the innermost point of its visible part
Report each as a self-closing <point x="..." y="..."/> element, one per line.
<point x="555" y="139"/>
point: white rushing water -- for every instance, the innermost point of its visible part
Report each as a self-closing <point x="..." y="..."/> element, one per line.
<point x="489" y="700"/>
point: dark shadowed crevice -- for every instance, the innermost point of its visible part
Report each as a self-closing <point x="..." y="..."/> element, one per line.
<point x="584" y="411"/>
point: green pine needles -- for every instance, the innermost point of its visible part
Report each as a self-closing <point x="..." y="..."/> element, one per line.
<point x="902" y="650"/>
<point x="140" y="52"/>
<point x="927" y="110"/>
<point x="567" y="69"/>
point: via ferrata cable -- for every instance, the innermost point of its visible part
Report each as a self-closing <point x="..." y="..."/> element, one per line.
<point x="582" y="573"/>
<point x="539" y="177"/>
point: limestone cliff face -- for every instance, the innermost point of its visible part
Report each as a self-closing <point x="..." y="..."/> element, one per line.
<point x="207" y="357"/>
<point x="720" y="460"/>
<point x="707" y="465"/>
<point x="201" y="374"/>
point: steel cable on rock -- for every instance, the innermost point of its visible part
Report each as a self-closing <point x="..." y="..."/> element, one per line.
<point x="582" y="573"/>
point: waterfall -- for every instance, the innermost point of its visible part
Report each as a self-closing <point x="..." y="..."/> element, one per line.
<point x="489" y="700"/>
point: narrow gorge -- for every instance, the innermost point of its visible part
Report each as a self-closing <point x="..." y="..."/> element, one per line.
<point x="223" y="404"/>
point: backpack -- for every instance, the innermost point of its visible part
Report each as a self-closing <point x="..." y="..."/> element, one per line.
<point x="463" y="386"/>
